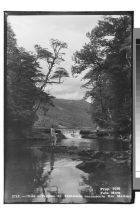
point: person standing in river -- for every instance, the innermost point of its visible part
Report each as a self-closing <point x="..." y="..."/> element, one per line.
<point x="53" y="136"/>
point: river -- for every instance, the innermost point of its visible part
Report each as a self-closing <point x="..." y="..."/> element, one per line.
<point x="36" y="173"/>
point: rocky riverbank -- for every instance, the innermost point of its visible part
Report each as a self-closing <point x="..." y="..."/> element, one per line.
<point x="92" y="134"/>
<point x="117" y="162"/>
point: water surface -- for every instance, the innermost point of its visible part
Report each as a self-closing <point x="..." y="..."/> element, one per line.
<point x="35" y="173"/>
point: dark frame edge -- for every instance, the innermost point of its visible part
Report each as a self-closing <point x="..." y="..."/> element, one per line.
<point x="22" y="13"/>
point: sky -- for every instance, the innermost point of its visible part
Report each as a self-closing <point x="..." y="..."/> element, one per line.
<point x="72" y="29"/>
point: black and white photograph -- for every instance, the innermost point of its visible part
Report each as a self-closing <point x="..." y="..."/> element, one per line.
<point x="68" y="107"/>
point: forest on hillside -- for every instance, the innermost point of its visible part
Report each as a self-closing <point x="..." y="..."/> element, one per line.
<point x="65" y="114"/>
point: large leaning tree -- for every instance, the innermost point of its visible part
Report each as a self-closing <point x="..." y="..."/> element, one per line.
<point x="106" y="60"/>
<point x="53" y="58"/>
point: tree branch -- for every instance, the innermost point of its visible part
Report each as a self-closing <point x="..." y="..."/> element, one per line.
<point x="54" y="82"/>
<point x="47" y="76"/>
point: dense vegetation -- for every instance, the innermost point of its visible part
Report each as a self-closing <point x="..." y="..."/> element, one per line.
<point x="25" y="81"/>
<point x="106" y="60"/>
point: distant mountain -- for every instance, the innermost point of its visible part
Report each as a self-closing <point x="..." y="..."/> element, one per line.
<point x="66" y="114"/>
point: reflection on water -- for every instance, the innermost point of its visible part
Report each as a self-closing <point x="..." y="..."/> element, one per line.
<point x="95" y="144"/>
<point x="37" y="175"/>
<point x="59" y="177"/>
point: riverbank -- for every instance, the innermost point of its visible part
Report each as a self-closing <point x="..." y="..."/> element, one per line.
<point x="40" y="134"/>
<point x="93" y="160"/>
<point x="106" y="134"/>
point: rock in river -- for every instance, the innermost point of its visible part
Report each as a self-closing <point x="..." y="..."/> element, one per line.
<point x="90" y="166"/>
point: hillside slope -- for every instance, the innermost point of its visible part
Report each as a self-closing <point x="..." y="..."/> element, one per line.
<point x="66" y="113"/>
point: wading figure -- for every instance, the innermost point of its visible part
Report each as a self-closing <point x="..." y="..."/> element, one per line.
<point x="53" y="136"/>
<point x="97" y="130"/>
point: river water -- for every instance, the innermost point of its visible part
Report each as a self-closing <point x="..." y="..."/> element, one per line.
<point x="35" y="173"/>
<point x="74" y="139"/>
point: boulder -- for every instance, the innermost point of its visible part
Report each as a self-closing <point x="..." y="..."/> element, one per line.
<point x="90" y="166"/>
<point x="84" y="153"/>
<point x="99" y="155"/>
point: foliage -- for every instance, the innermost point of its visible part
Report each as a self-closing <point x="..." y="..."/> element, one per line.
<point x="107" y="58"/>
<point x="26" y="83"/>
<point x="23" y="72"/>
<point x="52" y="58"/>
